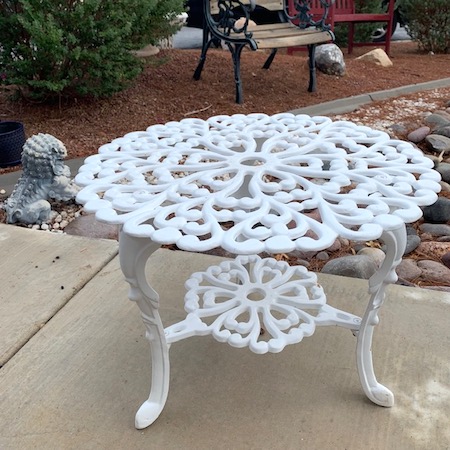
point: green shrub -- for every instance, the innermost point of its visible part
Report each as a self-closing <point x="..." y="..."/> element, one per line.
<point x="51" y="48"/>
<point x="428" y="22"/>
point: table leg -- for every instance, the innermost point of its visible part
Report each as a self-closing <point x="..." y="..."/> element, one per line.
<point x="134" y="253"/>
<point x="395" y="241"/>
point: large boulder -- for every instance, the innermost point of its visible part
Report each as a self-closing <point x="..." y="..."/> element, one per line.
<point x="378" y="57"/>
<point x="330" y="59"/>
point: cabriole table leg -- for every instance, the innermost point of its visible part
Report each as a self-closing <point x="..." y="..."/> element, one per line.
<point x="395" y="241"/>
<point x="134" y="253"/>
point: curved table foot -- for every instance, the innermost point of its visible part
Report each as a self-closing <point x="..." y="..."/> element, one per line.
<point x="147" y="414"/>
<point x="395" y="241"/>
<point x="134" y="253"/>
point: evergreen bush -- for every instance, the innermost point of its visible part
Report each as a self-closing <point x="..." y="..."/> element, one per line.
<point x="428" y="22"/>
<point x="52" y="48"/>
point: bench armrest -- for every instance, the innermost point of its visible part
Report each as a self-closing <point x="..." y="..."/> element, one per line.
<point x="223" y="24"/>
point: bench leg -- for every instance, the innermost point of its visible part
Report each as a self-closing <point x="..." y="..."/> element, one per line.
<point x="205" y="45"/>
<point x="351" y="37"/>
<point x="312" y="67"/>
<point x="270" y="58"/>
<point x="236" y="51"/>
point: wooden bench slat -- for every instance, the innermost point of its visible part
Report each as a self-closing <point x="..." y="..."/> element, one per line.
<point x="259" y="35"/>
<point x="294" y="40"/>
<point x="292" y="31"/>
<point x="361" y="17"/>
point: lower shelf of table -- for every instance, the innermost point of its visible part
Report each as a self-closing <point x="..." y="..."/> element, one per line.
<point x="254" y="302"/>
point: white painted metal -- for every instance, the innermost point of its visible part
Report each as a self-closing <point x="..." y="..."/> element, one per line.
<point x="248" y="184"/>
<point x="264" y="304"/>
<point x="180" y="183"/>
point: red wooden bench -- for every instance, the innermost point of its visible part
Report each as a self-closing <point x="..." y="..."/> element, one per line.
<point x="344" y="11"/>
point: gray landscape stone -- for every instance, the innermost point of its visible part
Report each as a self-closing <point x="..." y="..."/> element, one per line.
<point x="438" y="212"/>
<point x="444" y="170"/>
<point x="410" y="229"/>
<point x="438" y="143"/>
<point x="443" y="114"/>
<point x="355" y="266"/>
<point x="436" y="120"/>
<point x="330" y="59"/>
<point x="443" y="131"/>
<point x="436" y="229"/>
<point x="412" y="242"/>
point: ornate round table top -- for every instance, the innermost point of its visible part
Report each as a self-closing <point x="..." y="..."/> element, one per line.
<point x="253" y="183"/>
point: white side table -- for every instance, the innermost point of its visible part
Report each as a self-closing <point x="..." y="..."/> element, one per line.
<point x="247" y="184"/>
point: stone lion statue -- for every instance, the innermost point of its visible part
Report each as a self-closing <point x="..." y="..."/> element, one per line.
<point x="44" y="176"/>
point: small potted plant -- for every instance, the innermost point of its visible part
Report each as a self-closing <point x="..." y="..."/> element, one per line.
<point x="12" y="138"/>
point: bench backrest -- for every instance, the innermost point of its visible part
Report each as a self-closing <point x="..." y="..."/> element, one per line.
<point x="271" y="5"/>
<point x="339" y="7"/>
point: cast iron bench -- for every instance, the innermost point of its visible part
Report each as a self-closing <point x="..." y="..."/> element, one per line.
<point x="221" y="23"/>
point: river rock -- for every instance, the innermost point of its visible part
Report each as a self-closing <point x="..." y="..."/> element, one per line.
<point x="443" y="114"/>
<point x="323" y="256"/>
<point x="376" y="254"/>
<point x="438" y="143"/>
<point x="443" y="131"/>
<point x="419" y="135"/>
<point x="444" y="170"/>
<point x="438" y="212"/>
<point x="303" y="255"/>
<point x="335" y="246"/>
<point x="412" y="242"/>
<point x="86" y="225"/>
<point x="436" y="120"/>
<point x="436" y="229"/>
<point x="408" y="270"/>
<point x="446" y="259"/>
<point x="434" y="271"/>
<point x="433" y="249"/>
<point x="445" y="187"/>
<point x="398" y="128"/>
<point x="410" y="230"/>
<point x="356" y="266"/>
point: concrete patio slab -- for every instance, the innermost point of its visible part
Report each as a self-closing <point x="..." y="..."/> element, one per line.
<point x="40" y="273"/>
<point x="78" y="382"/>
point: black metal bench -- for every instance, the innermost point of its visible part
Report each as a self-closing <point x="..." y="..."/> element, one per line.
<point x="300" y="29"/>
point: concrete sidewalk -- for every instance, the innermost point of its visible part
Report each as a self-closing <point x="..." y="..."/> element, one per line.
<point x="76" y="378"/>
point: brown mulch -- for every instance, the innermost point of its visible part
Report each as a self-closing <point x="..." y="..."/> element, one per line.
<point x="166" y="91"/>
